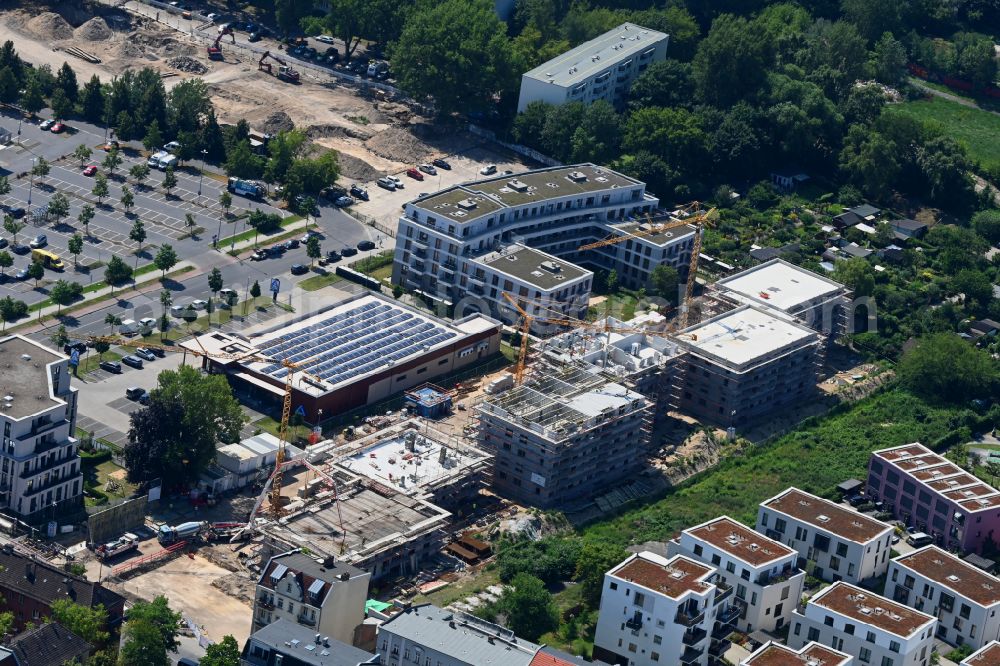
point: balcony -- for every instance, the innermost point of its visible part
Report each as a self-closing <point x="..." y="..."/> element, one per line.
<point x="635" y="624"/>
<point x="41" y="428"/>
<point x="722" y="591"/>
<point x="731" y="613"/>
<point x="306" y="620"/>
<point x="265" y="602"/>
<point x="718" y="648"/>
<point x="52" y="483"/>
<point x="693" y="636"/>
<point x="768" y="578"/>
<point x="688" y="620"/>
<point x="450" y="264"/>
<point x="50" y="465"/>
<point x="691" y="655"/>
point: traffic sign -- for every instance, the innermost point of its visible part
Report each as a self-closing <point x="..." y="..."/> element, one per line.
<point x="300" y="410"/>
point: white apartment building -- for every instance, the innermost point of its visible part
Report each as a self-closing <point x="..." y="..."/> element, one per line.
<point x="834" y="543"/>
<point x="964" y="599"/>
<point x="603" y="68"/>
<point x="657" y="611"/>
<point x="322" y="594"/>
<point x="869" y="627"/>
<point x="811" y="654"/>
<point x="764" y="572"/>
<point x="40" y="476"/>
<point x="986" y="656"/>
<point x="448" y="245"/>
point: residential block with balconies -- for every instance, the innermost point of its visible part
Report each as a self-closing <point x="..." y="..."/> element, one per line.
<point x="833" y="542"/>
<point x="656" y="611"/>
<point x="764" y="572"/>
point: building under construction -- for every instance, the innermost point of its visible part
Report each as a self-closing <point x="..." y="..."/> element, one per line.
<point x="563" y="435"/>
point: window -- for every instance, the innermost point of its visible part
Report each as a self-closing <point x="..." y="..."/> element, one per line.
<point x="655" y="656"/>
<point x="894" y="646"/>
<point x="657" y="639"/>
<point x="716" y="560"/>
<point x="614" y="586"/>
<point x="849" y="629"/>
<point x="947" y="602"/>
<point x="796" y="628"/>
<point x="870" y="637"/>
<point x="865" y="655"/>
<point x="828" y="621"/>
<point x="698" y="550"/>
<point x="887" y="661"/>
<point x="813" y="634"/>
<point x="841" y="549"/>
<point x="964" y="611"/>
<point x="632" y="647"/>
<point x="779" y="525"/>
<point x="730" y="567"/>
<point x="784" y="592"/>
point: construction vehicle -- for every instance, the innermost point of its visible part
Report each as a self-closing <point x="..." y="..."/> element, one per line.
<point x="247" y="188"/>
<point x="123" y="544"/>
<point x="167" y="535"/>
<point x="215" y="51"/>
<point x="689" y="215"/>
<point x="285" y="72"/>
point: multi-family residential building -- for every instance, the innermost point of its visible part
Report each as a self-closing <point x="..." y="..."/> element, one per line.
<point x="869" y="627"/>
<point x="811" y="654"/>
<point x="40" y="477"/>
<point x="657" y="611"/>
<point x="448" y="243"/>
<point x="764" y="572"/>
<point x="929" y="492"/>
<point x="964" y="599"/>
<point x="603" y="68"/>
<point x="744" y="364"/>
<point x="988" y="655"/>
<point x="326" y="596"/>
<point x="833" y="542"/>
<point x="287" y="643"/>
<point x="562" y="436"/>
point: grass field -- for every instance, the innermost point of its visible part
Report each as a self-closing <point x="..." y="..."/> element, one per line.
<point x="978" y="130"/>
<point x="319" y="281"/>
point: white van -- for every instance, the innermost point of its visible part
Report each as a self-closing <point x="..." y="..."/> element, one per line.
<point x="154" y="159"/>
<point x="919" y="540"/>
<point x="129" y="328"/>
<point x="168" y="161"/>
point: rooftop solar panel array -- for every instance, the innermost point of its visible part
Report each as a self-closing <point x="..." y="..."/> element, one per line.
<point x="354" y="343"/>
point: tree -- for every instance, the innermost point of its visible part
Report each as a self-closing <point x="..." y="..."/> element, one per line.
<point x="241" y="162"/>
<point x="215" y="281"/>
<point x="665" y="280"/>
<point x="6" y="261"/>
<point x="993" y="469"/>
<point x="128" y="200"/>
<point x="174" y="437"/>
<point x="61" y="107"/>
<point x="945" y="167"/>
<point x="101" y="347"/>
<point x="139" y="173"/>
<point x="112" y="161"/>
<point x="226" y="201"/>
<point x="529" y="607"/>
<point x="11" y="310"/>
<point x="31" y="97"/>
<point x="888" y="61"/>
<point x="857" y="274"/>
<point x="142" y="645"/>
<point x="870" y="160"/>
<point x="41" y="168"/>
<point x="255" y="289"/>
<point x="976" y="285"/>
<point x="12" y="226"/>
<point x="598" y="136"/>
<point x="987" y="224"/>
<point x="92" y="104"/>
<point x="943" y="367"/>
<point x="224" y="653"/>
<point x="62" y="293"/>
<point x="85" y="217"/>
<point x="100" y="188"/>
<point x="66" y="82"/>
<point x="165" y="301"/>
<point x="169" y="181"/>
<point x="89" y="623"/>
<point x="36" y="272"/>
<point x="611" y="281"/>
<point x="117" y="271"/>
<point x="9" y="89"/>
<point x="58" y="207"/>
<point x="154" y="138"/>
<point x="59" y="337"/>
<point x="166" y="258"/>
<point x="4" y="186"/>
<point x="674" y="135"/>
<point x="313" y="250"/>
<point x="75" y="246"/>
<point x="666" y="83"/>
<point x="138" y="234"/>
<point x="731" y="62"/>
<point x="83" y="153"/>
<point x="432" y="59"/>
<point x="595" y="558"/>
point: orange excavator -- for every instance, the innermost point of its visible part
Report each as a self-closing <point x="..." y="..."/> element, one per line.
<point x="285" y="73"/>
<point x="215" y="51"/>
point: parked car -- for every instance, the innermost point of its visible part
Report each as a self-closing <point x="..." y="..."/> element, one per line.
<point x="172" y="147"/>
<point x="57" y="128"/>
<point x="20" y="249"/>
<point x="3" y="243"/>
<point x="366" y="245"/>
<point x="488" y="170"/>
<point x="415" y="174"/>
<point x="309" y="234"/>
<point x="253" y="37"/>
<point x="146" y="325"/>
<point x="21" y="274"/>
<point x="111" y="366"/>
<point x="159" y="353"/>
<point x="258" y="255"/>
<point x="75" y="345"/>
<point x="17" y="213"/>
<point x="299" y="269"/>
<point x="359" y="192"/>
<point x="428" y="169"/>
<point x="441" y="164"/>
<point x="343" y="201"/>
<point x="132" y="361"/>
<point x="291" y="243"/>
<point x="46" y="124"/>
<point x="145" y="354"/>
<point x="182" y="311"/>
<point x="228" y="296"/>
<point x="144" y="400"/>
<point x="199" y="304"/>
<point x="396" y="181"/>
<point x="276" y="251"/>
<point x="90" y="170"/>
<point x="348" y="251"/>
<point x="41" y="240"/>
<point x="386" y="184"/>
<point x="134" y="392"/>
<point x="326" y="39"/>
<point x="332" y="256"/>
<point x="212" y="17"/>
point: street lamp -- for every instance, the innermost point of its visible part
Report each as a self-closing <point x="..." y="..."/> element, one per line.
<point x="31" y="183"/>
<point x="20" y="119"/>
<point x="203" y="154"/>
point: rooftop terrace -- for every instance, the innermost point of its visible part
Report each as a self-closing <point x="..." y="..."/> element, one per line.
<point x="827" y="516"/>
<point x="947" y="570"/>
<point x="811" y="654"/>
<point x="674" y="578"/>
<point x="870" y="608"/>
<point x="740" y="541"/>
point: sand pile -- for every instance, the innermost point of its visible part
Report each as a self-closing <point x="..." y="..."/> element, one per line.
<point x="399" y="145"/>
<point x="94" y="30"/>
<point x="187" y="64"/>
<point x="357" y="169"/>
<point x="279" y="121"/>
<point x="50" y="25"/>
<point x="329" y="131"/>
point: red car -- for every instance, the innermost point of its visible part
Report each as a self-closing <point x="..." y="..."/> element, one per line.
<point x="90" y="170"/>
<point x="414" y="174"/>
<point x="57" y="128"/>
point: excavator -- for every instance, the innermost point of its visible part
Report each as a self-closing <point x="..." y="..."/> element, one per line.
<point x="215" y="51"/>
<point x="285" y="73"/>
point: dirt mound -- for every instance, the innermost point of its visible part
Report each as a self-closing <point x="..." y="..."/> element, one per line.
<point x="50" y="25"/>
<point x="357" y="169"/>
<point x="337" y="132"/>
<point x="131" y="50"/>
<point x="94" y="30"/>
<point x="236" y="585"/>
<point x="158" y="44"/>
<point x="276" y="122"/>
<point x="187" y="64"/>
<point x="399" y="145"/>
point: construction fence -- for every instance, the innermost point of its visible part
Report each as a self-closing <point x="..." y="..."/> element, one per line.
<point x="530" y="153"/>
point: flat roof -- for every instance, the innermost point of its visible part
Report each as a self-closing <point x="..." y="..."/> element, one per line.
<point x="988" y="655"/>
<point x="740" y="541"/>
<point x="870" y="608"/>
<point x="780" y="285"/>
<point x="941" y="476"/>
<point x="745" y="335"/>
<point x="533" y="267"/>
<point x="658" y="238"/>
<point x="299" y="642"/>
<point x="24" y="377"/>
<point x="811" y="654"/>
<point x="475" y="199"/>
<point x="605" y="51"/>
<point x="827" y="516"/>
<point x="949" y="571"/>
<point x="674" y="577"/>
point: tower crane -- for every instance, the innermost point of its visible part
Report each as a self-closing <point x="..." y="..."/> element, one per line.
<point x="272" y="488"/>
<point x="694" y="219"/>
